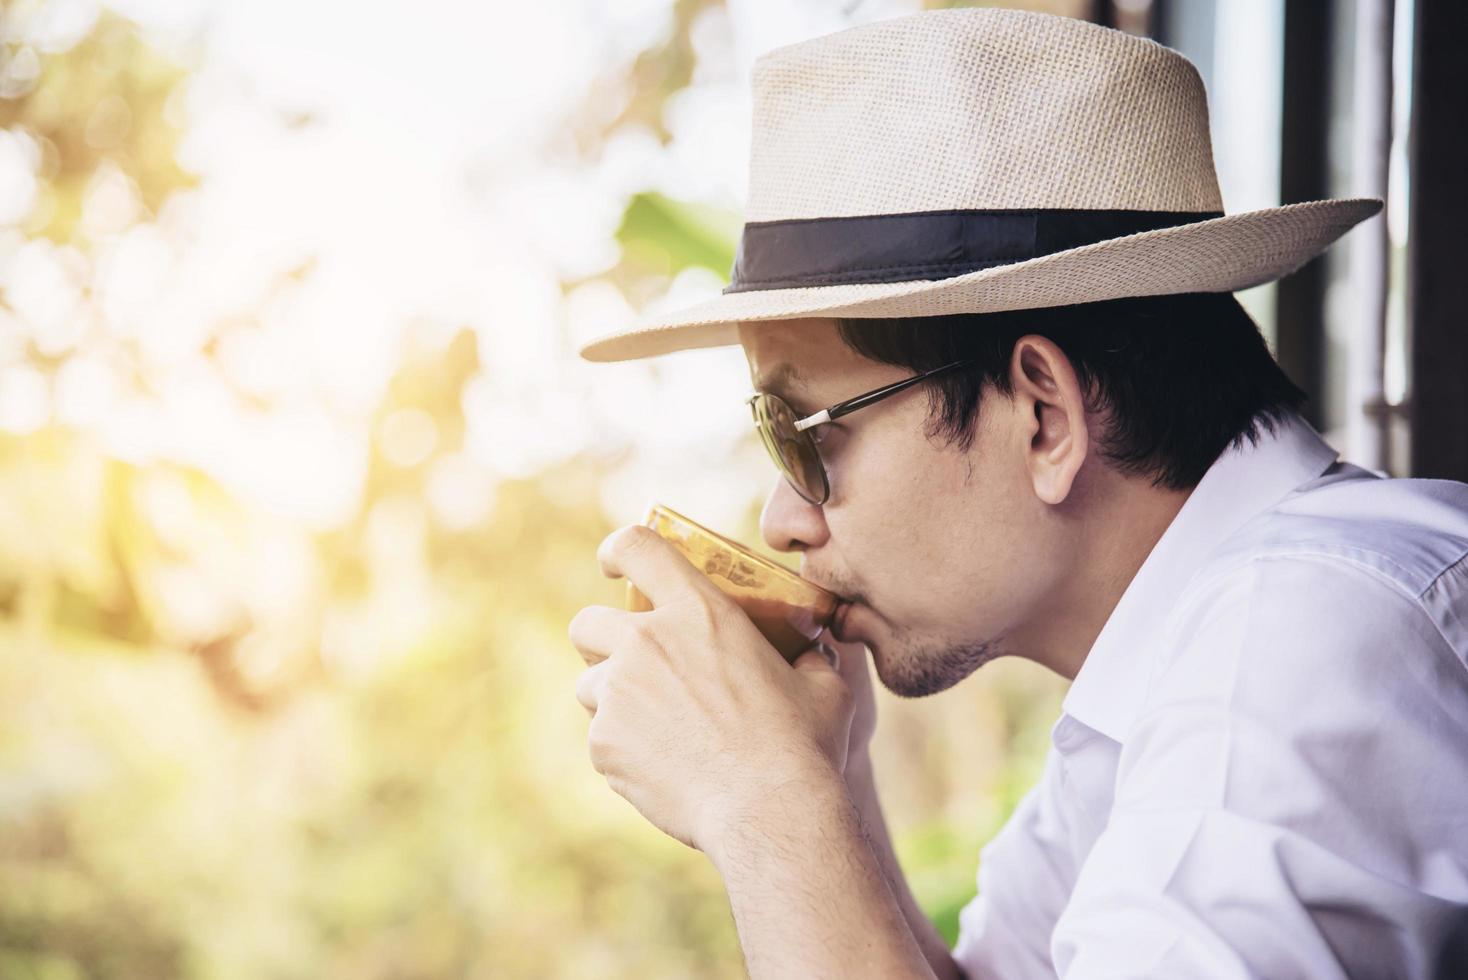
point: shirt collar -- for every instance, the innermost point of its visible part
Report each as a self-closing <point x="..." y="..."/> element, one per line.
<point x="1108" y="690"/>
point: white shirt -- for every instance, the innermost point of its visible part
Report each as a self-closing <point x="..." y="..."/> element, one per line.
<point x="1261" y="769"/>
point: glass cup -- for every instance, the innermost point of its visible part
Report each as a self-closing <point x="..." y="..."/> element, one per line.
<point x="787" y="610"/>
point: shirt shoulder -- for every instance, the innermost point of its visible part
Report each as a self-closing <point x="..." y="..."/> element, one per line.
<point x="1321" y="646"/>
<point x="1352" y="529"/>
<point x="1280" y="804"/>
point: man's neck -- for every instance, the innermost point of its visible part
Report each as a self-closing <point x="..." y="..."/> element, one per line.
<point x="1119" y="537"/>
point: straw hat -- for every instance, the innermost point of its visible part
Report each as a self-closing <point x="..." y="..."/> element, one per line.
<point x="973" y="160"/>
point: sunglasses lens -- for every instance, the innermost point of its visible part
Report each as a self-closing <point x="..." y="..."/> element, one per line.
<point x="793" y="451"/>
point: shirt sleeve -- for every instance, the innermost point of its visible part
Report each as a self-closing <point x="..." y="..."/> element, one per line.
<point x="1289" y="801"/>
<point x="1024" y="880"/>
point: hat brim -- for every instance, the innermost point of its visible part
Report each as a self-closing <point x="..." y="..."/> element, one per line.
<point x="1218" y="255"/>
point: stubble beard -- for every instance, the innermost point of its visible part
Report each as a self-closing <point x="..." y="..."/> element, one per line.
<point x="912" y="668"/>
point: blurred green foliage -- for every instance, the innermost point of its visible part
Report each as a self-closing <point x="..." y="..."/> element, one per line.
<point x="383" y="774"/>
<point x="661" y="235"/>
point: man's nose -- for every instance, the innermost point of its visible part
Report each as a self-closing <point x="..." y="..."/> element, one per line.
<point x="789" y="522"/>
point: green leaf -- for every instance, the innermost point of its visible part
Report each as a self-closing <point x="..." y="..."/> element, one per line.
<point x="666" y="236"/>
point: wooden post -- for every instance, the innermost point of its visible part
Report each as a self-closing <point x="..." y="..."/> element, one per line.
<point x="1437" y="248"/>
<point x="1303" y="176"/>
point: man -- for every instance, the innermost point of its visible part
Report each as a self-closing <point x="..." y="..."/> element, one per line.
<point x="984" y="293"/>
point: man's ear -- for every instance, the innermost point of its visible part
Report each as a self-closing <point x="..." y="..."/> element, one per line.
<point x="1051" y="408"/>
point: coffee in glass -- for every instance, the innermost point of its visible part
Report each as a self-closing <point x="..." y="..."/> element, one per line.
<point x="788" y="611"/>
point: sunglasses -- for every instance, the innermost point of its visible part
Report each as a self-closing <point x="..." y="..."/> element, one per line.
<point x="790" y="443"/>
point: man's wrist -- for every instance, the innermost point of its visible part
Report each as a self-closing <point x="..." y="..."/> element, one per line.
<point x="808" y="893"/>
<point x="805" y="792"/>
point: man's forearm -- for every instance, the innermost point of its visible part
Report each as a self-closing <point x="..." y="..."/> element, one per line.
<point x="863" y="788"/>
<point x="808" y="894"/>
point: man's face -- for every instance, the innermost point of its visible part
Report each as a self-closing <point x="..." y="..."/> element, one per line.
<point x="946" y="554"/>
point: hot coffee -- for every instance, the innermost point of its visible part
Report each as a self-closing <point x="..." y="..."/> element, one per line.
<point x="787" y="610"/>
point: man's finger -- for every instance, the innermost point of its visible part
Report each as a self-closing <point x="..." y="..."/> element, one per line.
<point x="658" y="569"/>
<point x="596" y="631"/>
<point x="819" y="658"/>
<point x="588" y="686"/>
<point x="850" y="659"/>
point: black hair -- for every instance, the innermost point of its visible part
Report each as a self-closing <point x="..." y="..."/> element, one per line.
<point x="1176" y="379"/>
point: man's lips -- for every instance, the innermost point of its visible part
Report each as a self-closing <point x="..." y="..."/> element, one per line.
<point x="838" y="621"/>
<point x="838" y="618"/>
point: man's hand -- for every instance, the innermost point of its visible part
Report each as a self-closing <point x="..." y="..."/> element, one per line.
<point x="710" y="734"/>
<point x="695" y="716"/>
<point x="853" y="666"/>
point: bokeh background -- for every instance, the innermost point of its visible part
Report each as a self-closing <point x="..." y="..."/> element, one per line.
<point x="301" y="480"/>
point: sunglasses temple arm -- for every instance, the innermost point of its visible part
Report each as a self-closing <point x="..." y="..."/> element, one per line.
<point x="861" y="401"/>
